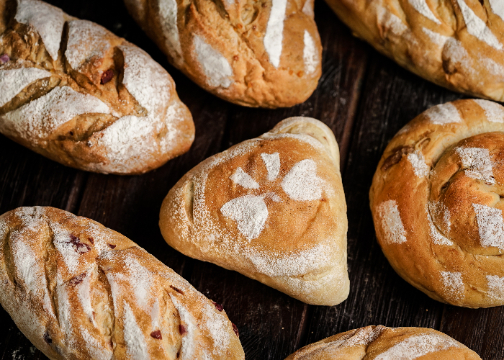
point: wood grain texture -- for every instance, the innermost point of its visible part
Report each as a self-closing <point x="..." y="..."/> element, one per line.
<point x="363" y="97"/>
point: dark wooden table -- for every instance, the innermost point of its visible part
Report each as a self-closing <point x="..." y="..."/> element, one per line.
<point x="364" y="97"/>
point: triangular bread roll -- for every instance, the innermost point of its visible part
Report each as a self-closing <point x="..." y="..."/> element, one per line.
<point x="271" y="208"/>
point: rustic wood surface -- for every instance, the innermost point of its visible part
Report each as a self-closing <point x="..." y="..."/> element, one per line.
<point x="364" y="97"/>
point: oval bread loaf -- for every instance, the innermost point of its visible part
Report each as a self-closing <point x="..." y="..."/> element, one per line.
<point x="457" y="44"/>
<point x="255" y="53"/>
<point x="382" y="343"/>
<point x="77" y="94"/>
<point x="79" y="290"/>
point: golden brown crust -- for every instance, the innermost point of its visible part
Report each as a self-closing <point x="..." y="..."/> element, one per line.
<point x="271" y="208"/>
<point x="78" y="290"/>
<point x="436" y="204"/>
<point x="382" y="343"/>
<point x="254" y="53"/>
<point x="456" y="44"/>
<point x="124" y="115"/>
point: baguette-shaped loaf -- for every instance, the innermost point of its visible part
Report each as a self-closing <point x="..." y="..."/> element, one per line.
<point x="272" y="208"/>
<point x="383" y="343"/>
<point x="263" y="53"/>
<point x="79" y="290"/>
<point x="77" y="94"/>
<point x="458" y="44"/>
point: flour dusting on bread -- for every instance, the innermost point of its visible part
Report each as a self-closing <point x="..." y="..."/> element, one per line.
<point x="490" y="225"/>
<point x="41" y="117"/>
<point x="310" y="54"/>
<point x="214" y="65"/>
<point x="417" y="346"/>
<point x="443" y="114"/>
<point x="273" y="38"/>
<point x="13" y="81"/>
<point x="85" y="41"/>
<point x="391" y="222"/>
<point x="493" y="112"/>
<point x="495" y="286"/>
<point x="46" y="19"/>
<point x="477" y="27"/>
<point x="423" y="8"/>
<point x="453" y="283"/>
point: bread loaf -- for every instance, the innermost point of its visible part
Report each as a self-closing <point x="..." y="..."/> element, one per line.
<point x="436" y="203"/>
<point x="78" y="290"/>
<point x="77" y="94"/>
<point x="382" y="343"/>
<point x="457" y="44"/>
<point x="272" y="208"/>
<point x="255" y="53"/>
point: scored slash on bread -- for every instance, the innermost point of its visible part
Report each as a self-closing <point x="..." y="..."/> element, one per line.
<point x="79" y="290"/>
<point x="77" y="94"/>
<point x="263" y="53"/>
<point x="271" y="208"/>
<point x="382" y="343"/>
<point x="437" y="207"/>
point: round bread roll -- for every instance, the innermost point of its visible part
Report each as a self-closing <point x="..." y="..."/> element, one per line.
<point x="77" y="94"/>
<point x="383" y="343"/>
<point x="457" y="44"/>
<point x="80" y="291"/>
<point x="437" y="203"/>
<point x="254" y="53"/>
<point x="271" y="208"/>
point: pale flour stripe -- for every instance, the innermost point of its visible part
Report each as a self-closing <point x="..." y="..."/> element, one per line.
<point x="214" y="65"/>
<point x="417" y="161"/>
<point x="495" y="286"/>
<point x="391" y="222"/>
<point x="136" y="346"/>
<point x="493" y="111"/>
<point x="310" y="55"/>
<point x="272" y="162"/>
<point x="477" y="27"/>
<point x="497" y="7"/>
<point x="417" y="346"/>
<point x="40" y="117"/>
<point x="453" y="283"/>
<point x="240" y="177"/>
<point x="477" y="163"/>
<point x="274" y="31"/>
<point x="443" y="114"/>
<point x="422" y="7"/>
<point x="490" y="226"/>
<point x="13" y="81"/>
<point x="46" y="19"/>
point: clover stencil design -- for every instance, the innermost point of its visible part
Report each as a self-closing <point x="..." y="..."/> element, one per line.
<point x="250" y="211"/>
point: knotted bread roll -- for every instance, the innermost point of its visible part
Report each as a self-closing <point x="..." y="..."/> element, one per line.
<point x="77" y="94"/>
<point x="458" y="44"/>
<point x="78" y="290"/>
<point x="255" y="53"/>
<point x="382" y="343"/>
<point x="437" y="203"/>
<point x="271" y="208"/>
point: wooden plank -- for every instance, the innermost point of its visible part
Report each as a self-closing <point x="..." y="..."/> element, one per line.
<point x="271" y="324"/>
<point x="479" y="329"/>
<point x="391" y="98"/>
